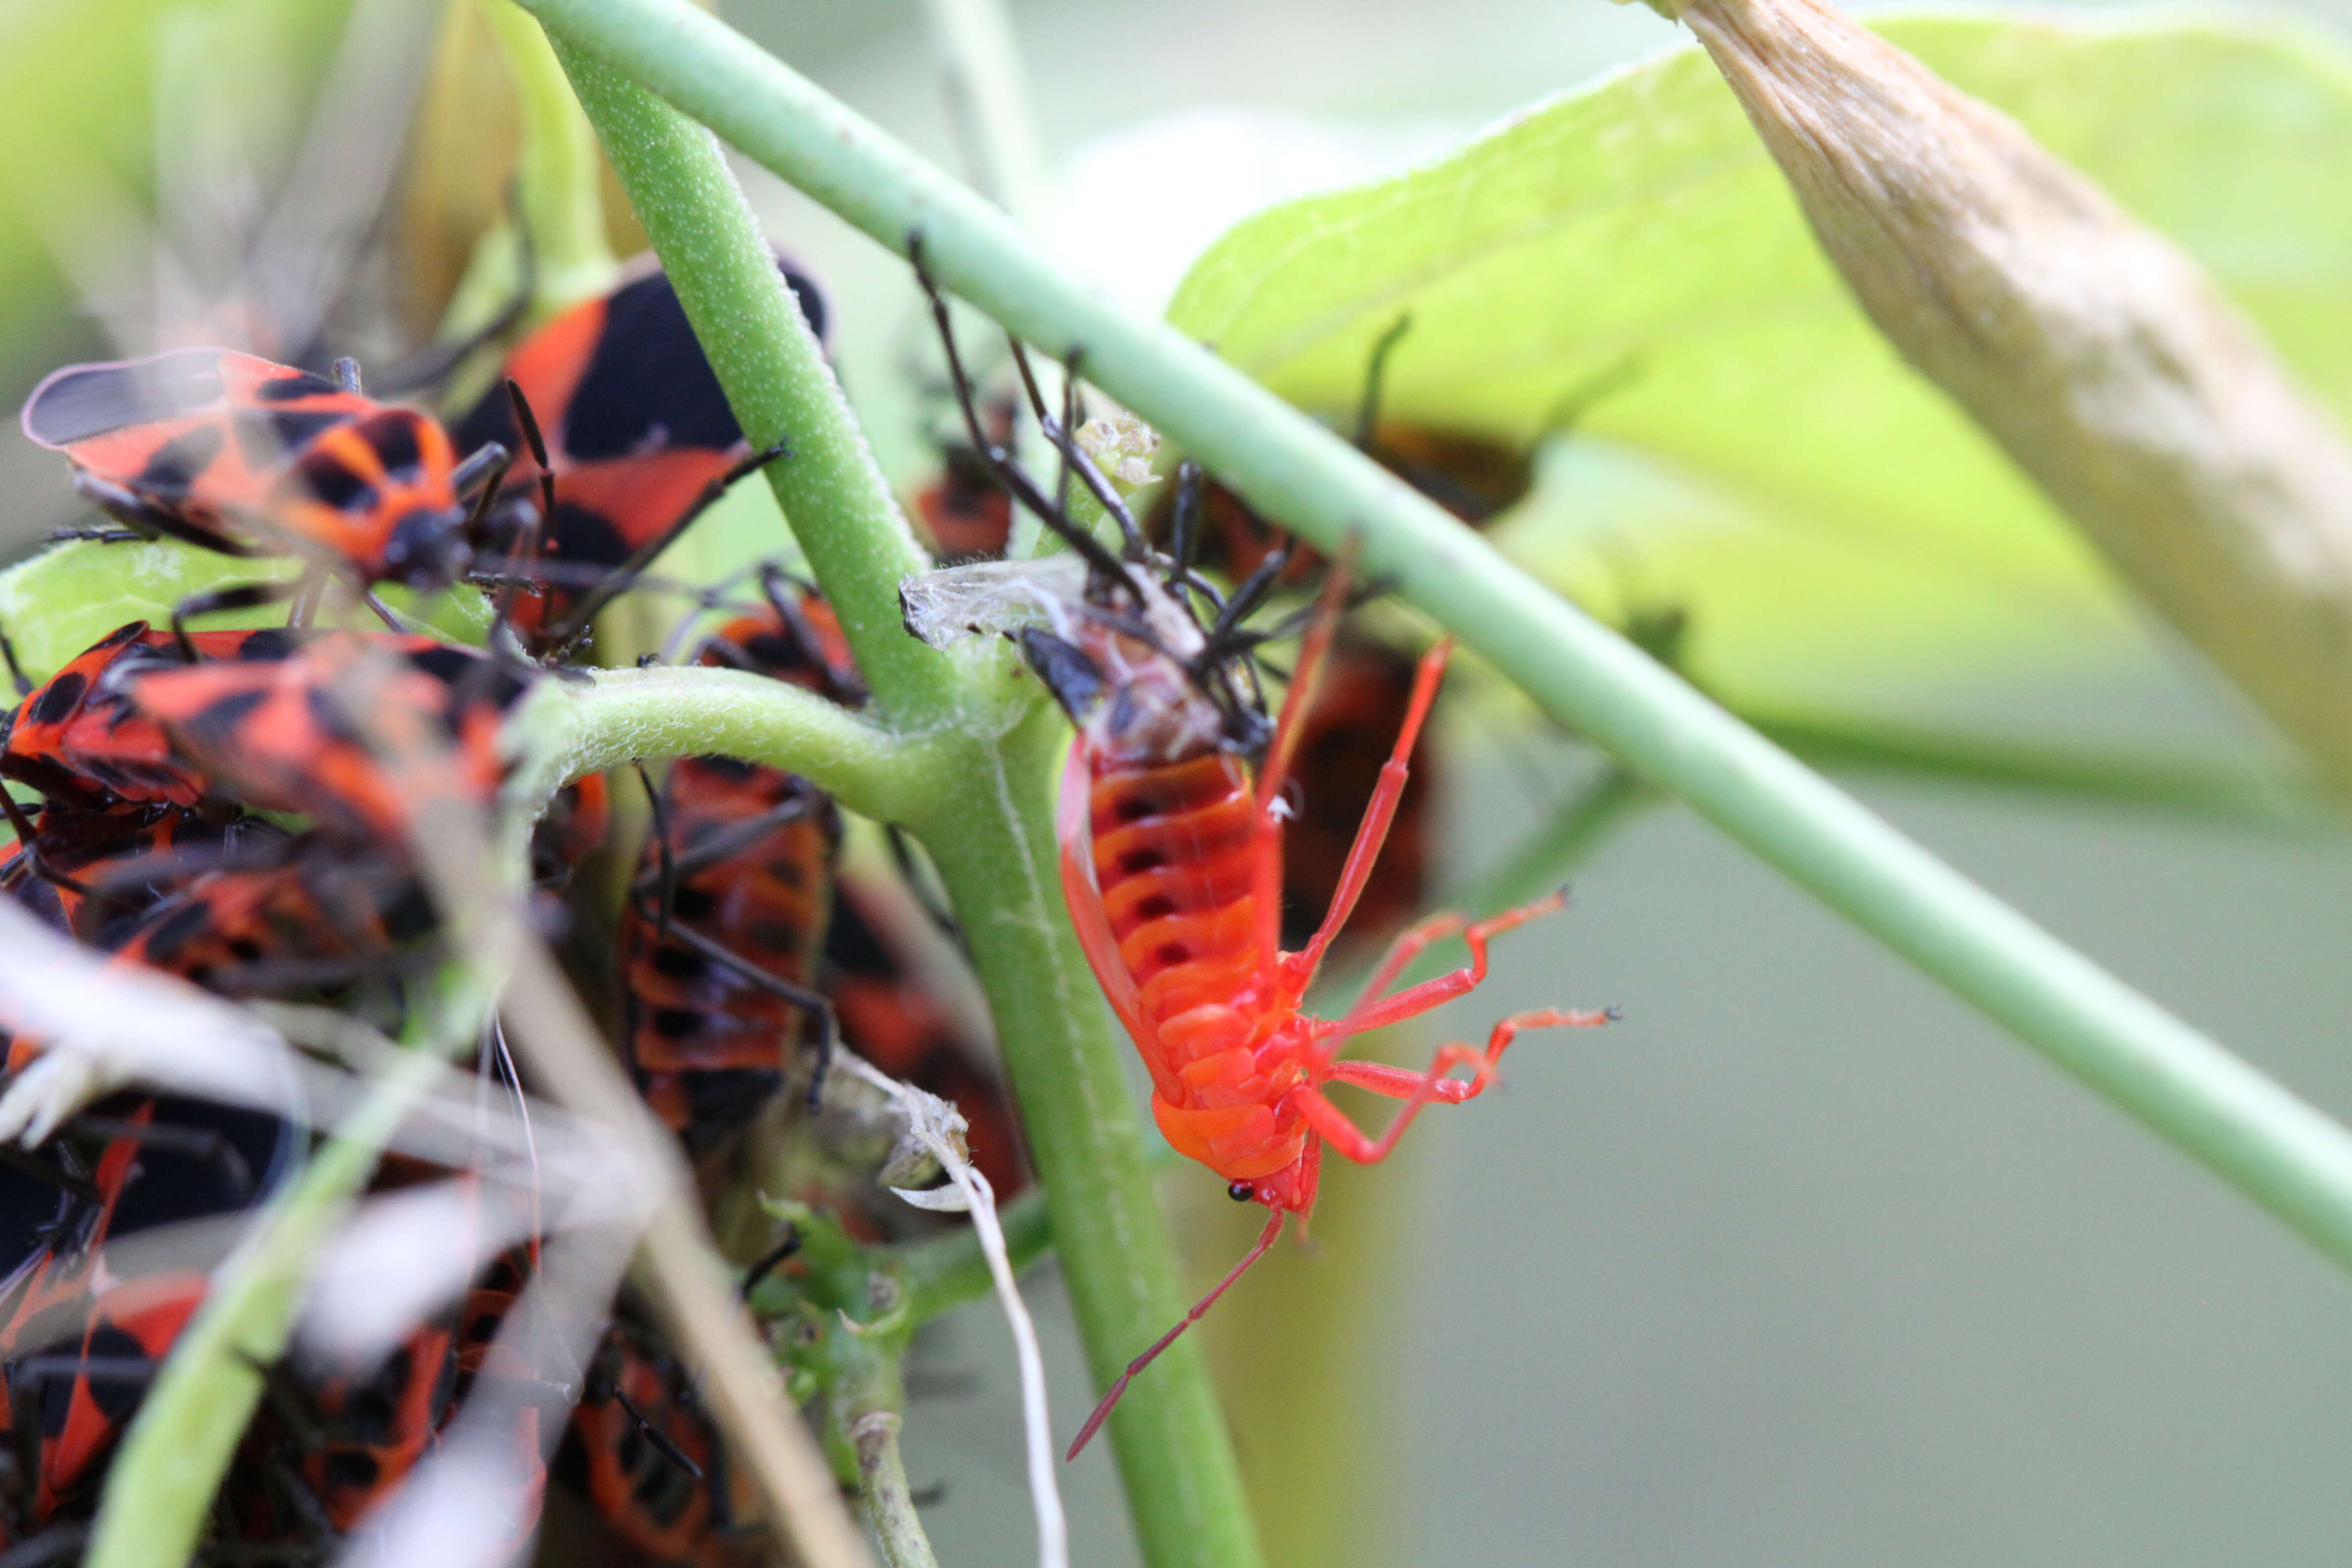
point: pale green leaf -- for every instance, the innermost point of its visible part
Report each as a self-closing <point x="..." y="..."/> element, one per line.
<point x="66" y="598"/>
<point x="1755" y="452"/>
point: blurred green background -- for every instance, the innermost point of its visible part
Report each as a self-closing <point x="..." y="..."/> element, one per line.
<point x="1800" y="1263"/>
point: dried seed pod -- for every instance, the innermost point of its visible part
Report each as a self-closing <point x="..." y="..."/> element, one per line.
<point x="2098" y="353"/>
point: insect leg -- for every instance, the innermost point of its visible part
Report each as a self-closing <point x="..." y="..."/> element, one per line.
<point x="471" y="477"/>
<point x="1368" y="412"/>
<point x="1000" y="464"/>
<point x="149" y="519"/>
<point x="1265" y="822"/>
<point x="1372" y="1012"/>
<point x="1418" y="1089"/>
<point x="815" y="1003"/>
<point x="1264" y="1243"/>
<point x="1379" y="815"/>
<point x="26" y="835"/>
<point x="662" y="850"/>
<point x="245" y="596"/>
<point x="16" y="671"/>
<point x="618" y="581"/>
<point x="769" y="1262"/>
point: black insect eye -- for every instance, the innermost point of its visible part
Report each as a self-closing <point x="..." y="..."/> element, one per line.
<point x="1241" y="1192"/>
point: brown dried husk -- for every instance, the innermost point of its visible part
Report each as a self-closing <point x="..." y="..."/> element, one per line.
<point x="2101" y="359"/>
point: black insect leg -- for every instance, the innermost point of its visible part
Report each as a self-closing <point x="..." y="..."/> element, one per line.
<point x="1007" y="473"/>
<point x="769" y="1262"/>
<point x="1368" y="410"/>
<point x="244" y="596"/>
<point x="151" y="519"/>
<point x="16" y="671"/>
<point x="621" y="577"/>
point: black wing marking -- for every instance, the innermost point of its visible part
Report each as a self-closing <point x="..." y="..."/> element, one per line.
<point x="84" y="401"/>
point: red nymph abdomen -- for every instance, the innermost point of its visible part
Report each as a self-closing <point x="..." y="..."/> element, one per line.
<point x="1172" y="853"/>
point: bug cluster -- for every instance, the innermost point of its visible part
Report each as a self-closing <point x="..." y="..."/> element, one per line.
<point x="226" y="806"/>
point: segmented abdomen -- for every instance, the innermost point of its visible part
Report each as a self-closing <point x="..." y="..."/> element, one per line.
<point x="1171" y="860"/>
<point x="708" y="1045"/>
<point x="1172" y="848"/>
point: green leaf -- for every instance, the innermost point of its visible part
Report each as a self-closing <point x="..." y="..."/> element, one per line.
<point x="1751" y="449"/>
<point x="61" y="601"/>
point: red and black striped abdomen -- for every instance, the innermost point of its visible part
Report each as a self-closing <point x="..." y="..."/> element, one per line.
<point x="1172" y="858"/>
<point x="707" y="1042"/>
<point x="1173" y="861"/>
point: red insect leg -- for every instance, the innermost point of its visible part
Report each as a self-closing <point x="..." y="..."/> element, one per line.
<point x="1265" y="1241"/>
<point x="1373" y="1010"/>
<point x="1373" y="831"/>
<point x="1418" y="1089"/>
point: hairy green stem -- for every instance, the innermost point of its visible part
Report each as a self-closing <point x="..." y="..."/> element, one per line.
<point x="867" y="1406"/>
<point x="621" y="715"/>
<point x="986" y="817"/>
<point x="160" y="1492"/>
<point x="776" y="378"/>
<point x="2238" y="1123"/>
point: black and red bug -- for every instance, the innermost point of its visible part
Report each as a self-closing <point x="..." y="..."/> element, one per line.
<point x="92" y="872"/>
<point x="79" y="1339"/>
<point x="77" y="738"/>
<point x="638" y="434"/>
<point x="272" y="731"/>
<point x="721" y="939"/>
<point x="245" y="456"/>
<point x="646" y="1457"/>
<point x="964" y="508"/>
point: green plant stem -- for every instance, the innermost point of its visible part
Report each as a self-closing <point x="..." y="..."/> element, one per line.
<point x="2220" y="793"/>
<point x="2239" y="1124"/>
<point x="986" y="817"/>
<point x="776" y="378"/>
<point x="559" y="178"/>
<point x="988" y="98"/>
<point x="660" y="711"/>
<point x="160" y="1492"/>
<point x="866" y="1405"/>
<point x="1540" y="862"/>
<point x="995" y="854"/>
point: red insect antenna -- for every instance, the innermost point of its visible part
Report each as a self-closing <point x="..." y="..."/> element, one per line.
<point x="1265" y="1241"/>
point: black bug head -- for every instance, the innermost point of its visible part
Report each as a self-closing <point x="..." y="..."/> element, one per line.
<point x="427" y="548"/>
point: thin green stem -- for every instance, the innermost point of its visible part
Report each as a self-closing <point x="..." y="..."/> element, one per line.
<point x="2243" y="1126"/>
<point x="988" y="97"/>
<point x="559" y="177"/>
<point x="867" y="1401"/>
<point x="985" y="816"/>
<point x="160" y="1493"/>
<point x="1540" y="863"/>
<point x="777" y="381"/>
<point x="2222" y="793"/>
<point x="620" y="715"/>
